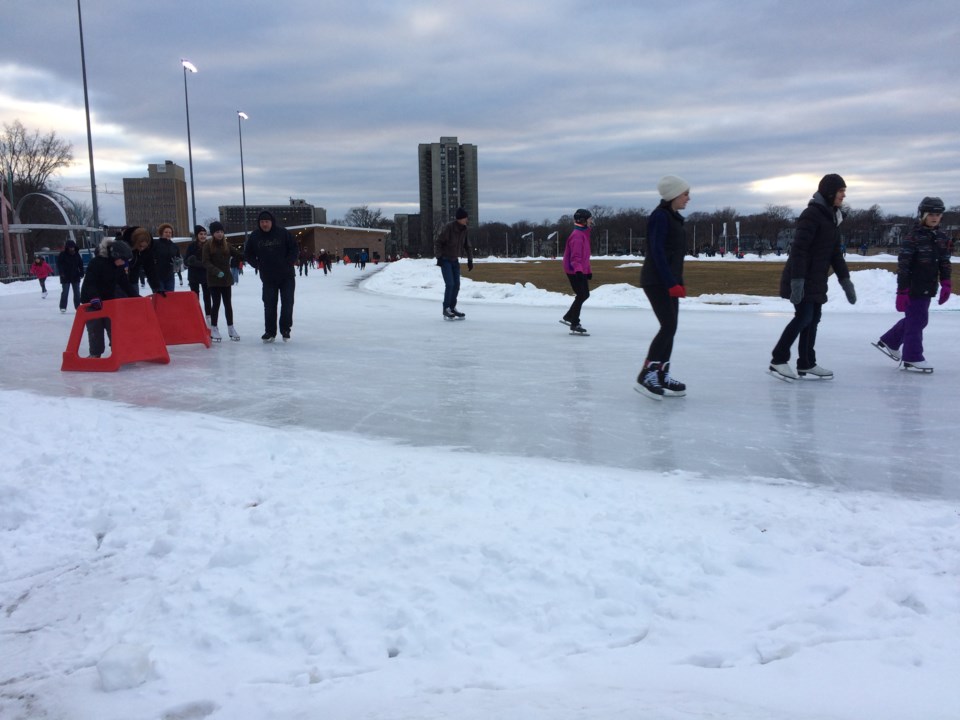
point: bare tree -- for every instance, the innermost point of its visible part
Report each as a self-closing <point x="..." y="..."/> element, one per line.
<point x="32" y="158"/>
<point x="364" y="217"/>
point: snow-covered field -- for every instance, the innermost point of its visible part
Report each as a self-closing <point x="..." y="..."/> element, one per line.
<point x="397" y="517"/>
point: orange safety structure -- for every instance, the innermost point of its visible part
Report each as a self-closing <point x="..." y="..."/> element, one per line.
<point x="135" y="336"/>
<point x="181" y="319"/>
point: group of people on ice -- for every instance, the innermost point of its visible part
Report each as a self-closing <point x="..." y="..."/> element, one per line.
<point x="923" y="272"/>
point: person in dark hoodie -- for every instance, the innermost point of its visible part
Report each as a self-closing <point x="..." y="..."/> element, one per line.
<point x="165" y="256"/>
<point x="70" y="266"/>
<point x="450" y="244"/>
<point x="106" y="279"/>
<point x="141" y="266"/>
<point x="815" y="249"/>
<point x="273" y="253"/>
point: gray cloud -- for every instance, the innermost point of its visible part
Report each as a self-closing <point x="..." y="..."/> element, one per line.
<point x="569" y="103"/>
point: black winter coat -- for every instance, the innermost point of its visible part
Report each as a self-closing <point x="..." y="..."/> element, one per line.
<point x="273" y="254"/>
<point x="106" y="281"/>
<point x="165" y="253"/>
<point x="924" y="262"/>
<point x="666" y="248"/>
<point x="815" y="249"/>
<point x="193" y="259"/>
<point x="452" y="242"/>
<point x="70" y="266"/>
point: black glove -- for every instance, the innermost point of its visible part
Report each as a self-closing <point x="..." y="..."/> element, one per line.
<point x="589" y="276"/>
<point x="469" y="264"/>
<point x="438" y="261"/>
<point x="161" y="293"/>
<point x="95" y="305"/>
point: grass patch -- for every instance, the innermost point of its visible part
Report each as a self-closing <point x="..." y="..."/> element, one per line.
<point x="728" y="277"/>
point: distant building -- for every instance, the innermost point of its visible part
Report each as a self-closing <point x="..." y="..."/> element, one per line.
<point x="158" y="198"/>
<point x="448" y="180"/>
<point x="298" y="212"/>
<point x="407" y="237"/>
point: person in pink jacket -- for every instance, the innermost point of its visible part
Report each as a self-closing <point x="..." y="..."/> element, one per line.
<point x="41" y="270"/>
<point x="576" y="264"/>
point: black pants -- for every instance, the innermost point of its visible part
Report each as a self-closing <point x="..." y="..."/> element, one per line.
<point x="226" y="295"/>
<point x="196" y="286"/>
<point x="581" y="289"/>
<point x="806" y="318"/>
<point x="95" y="329"/>
<point x="667" y="310"/>
<point x="272" y="289"/>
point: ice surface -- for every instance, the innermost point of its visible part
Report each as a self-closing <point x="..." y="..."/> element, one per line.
<point x="754" y="550"/>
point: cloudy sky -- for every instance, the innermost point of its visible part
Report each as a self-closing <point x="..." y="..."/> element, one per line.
<point x="570" y="103"/>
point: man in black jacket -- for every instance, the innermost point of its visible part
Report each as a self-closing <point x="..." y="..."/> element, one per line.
<point x="272" y="251"/>
<point x="450" y="245"/>
<point x="815" y="249"/>
<point x="70" y="267"/>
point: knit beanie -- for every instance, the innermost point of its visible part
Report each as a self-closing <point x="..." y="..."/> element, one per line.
<point x="197" y="229"/>
<point x="461" y="214"/>
<point x="829" y="185"/>
<point x="215" y="225"/>
<point x="671" y="187"/>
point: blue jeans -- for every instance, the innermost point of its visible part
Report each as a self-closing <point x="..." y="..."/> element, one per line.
<point x="806" y="318"/>
<point x="65" y="293"/>
<point x="451" y="280"/>
<point x="168" y="284"/>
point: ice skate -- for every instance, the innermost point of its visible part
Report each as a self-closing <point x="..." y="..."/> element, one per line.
<point x="816" y="373"/>
<point x="215" y="334"/>
<point x="285" y="334"/>
<point x="63" y="310"/>
<point x="268" y="338"/>
<point x="448" y="314"/>
<point x="648" y="382"/>
<point x="671" y="386"/>
<point x="578" y="329"/>
<point x="783" y="371"/>
<point x="232" y="332"/>
<point x="887" y="350"/>
<point x="918" y="366"/>
<point x="457" y="314"/>
<point x="44" y="295"/>
<point x="564" y="321"/>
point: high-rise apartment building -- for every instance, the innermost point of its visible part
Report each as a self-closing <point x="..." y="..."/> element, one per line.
<point x="298" y="212"/>
<point x="158" y="198"/>
<point x="448" y="180"/>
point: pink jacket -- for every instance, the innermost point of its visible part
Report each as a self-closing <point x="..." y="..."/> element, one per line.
<point x="576" y="255"/>
<point x="41" y="271"/>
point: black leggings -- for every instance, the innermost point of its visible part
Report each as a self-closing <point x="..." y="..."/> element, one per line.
<point x="666" y="309"/>
<point x="196" y="286"/>
<point x="217" y="294"/>
<point x="581" y="288"/>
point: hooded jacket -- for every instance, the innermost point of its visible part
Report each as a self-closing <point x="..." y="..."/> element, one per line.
<point x="815" y="249"/>
<point x="104" y="279"/>
<point x="69" y="264"/>
<point x="273" y="254"/>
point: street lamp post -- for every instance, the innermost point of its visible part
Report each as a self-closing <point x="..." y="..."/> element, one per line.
<point x="187" y="65"/>
<point x="86" y="105"/>
<point x="241" y="116"/>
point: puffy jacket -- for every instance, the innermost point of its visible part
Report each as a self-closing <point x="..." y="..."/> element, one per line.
<point x="273" y="254"/>
<point x="69" y="264"/>
<point x="924" y="261"/>
<point x="193" y="259"/>
<point x="165" y="252"/>
<point x="217" y="260"/>
<point x="815" y="249"/>
<point x="41" y="271"/>
<point x="666" y="247"/>
<point x="576" y="254"/>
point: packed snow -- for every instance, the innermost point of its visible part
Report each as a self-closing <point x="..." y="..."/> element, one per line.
<point x="394" y="516"/>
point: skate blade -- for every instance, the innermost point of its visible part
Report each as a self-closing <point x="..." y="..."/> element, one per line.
<point x="886" y="352"/>
<point x="778" y="376"/>
<point x="646" y="393"/>
<point x="921" y="371"/>
<point x="581" y="334"/>
<point x="809" y="376"/>
<point x="235" y="339"/>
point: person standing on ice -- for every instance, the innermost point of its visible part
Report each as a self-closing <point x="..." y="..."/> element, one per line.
<point x="924" y="260"/>
<point x="451" y="243"/>
<point x="70" y="267"/>
<point x="106" y="279"/>
<point x="196" y="272"/>
<point x="815" y="249"/>
<point x="576" y="264"/>
<point x="41" y="270"/>
<point x="662" y="281"/>
<point x="272" y="252"/>
<point x="216" y="256"/>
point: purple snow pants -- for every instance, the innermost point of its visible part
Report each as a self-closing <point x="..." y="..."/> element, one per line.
<point x="909" y="331"/>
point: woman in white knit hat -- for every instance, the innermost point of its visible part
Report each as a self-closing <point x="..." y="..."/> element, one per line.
<point x="662" y="282"/>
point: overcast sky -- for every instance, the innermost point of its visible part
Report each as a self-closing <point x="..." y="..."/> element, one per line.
<point x="569" y="103"/>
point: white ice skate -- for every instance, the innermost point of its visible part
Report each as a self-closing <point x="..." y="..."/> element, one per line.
<point x="816" y="373"/>
<point x="783" y="371"/>
<point x="215" y="334"/>
<point x="232" y="332"/>
<point x="887" y="350"/>
<point x="919" y="366"/>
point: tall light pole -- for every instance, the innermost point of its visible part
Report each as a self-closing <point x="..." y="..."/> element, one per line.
<point x="187" y="65"/>
<point x="241" y="116"/>
<point x="86" y="105"/>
